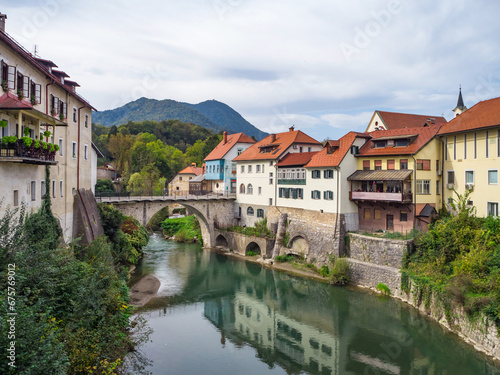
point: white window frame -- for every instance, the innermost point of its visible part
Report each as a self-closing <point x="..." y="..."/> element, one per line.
<point x="74" y="150"/>
<point x="86" y="120"/>
<point x="86" y="151"/>
<point x="448" y="176"/>
<point x="249" y="169"/>
<point x="488" y="176"/>
<point x="61" y="144"/>
<point x="259" y="190"/>
<point x="467" y="171"/>
<point x="33" y="191"/>
<point x="75" y="115"/>
<point x="423" y="187"/>
<point x="242" y="169"/>
<point x="61" y="188"/>
<point x="488" y="208"/>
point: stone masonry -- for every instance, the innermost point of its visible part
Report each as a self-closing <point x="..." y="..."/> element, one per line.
<point x="380" y="251"/>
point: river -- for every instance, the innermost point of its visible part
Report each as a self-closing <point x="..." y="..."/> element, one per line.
<point x="220" y="315"/>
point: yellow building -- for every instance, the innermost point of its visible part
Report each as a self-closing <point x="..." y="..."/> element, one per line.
<point x="470" y="146"/>
<point x="397" y="186"/>
<point x="36" y="98"/>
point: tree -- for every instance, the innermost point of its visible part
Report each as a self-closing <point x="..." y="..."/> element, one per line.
<point x="119" y="147"/>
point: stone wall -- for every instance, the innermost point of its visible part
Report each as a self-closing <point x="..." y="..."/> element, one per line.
<point x="87" y="221"/>
<point x="379" y="251"/>
<point x="323" y="232"/>
<point x="369" y="275"/>
<point x="240" y="243"/>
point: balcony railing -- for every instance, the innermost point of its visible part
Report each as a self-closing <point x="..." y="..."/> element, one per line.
<point x="296" y="181"/>
<point x="384" y="197"/>
<point x="18" y="152"/>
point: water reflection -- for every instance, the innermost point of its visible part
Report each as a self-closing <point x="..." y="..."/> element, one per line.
<point x="290" y="324"/>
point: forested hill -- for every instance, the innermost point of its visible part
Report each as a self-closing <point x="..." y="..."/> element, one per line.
<point x="225" y="116"/>
<point x="211" y="115"/>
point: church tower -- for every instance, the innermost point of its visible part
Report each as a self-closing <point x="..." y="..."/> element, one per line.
<point x="460" y="108"/>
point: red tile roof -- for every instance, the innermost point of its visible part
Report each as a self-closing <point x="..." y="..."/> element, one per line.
<point x="222" y="149"/>
<point x="11" y="101"/>
<point x="484" y="114"/>
<point x="394" y="120"/>
<point x="296" y="159"/>
<point x="282" y="142"/>
<point x="323" y="159"/>
<point x="423" y="136"/>
<point x="192" y="170"/>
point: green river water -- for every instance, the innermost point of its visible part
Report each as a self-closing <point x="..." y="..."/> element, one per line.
<point x="220" y="315"/>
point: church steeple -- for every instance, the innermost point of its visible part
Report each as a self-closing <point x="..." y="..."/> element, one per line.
<point x="460" y="108"/>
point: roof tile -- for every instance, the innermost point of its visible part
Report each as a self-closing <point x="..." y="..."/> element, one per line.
<point x="394" y="120"/>
<point x="222" y="149"/>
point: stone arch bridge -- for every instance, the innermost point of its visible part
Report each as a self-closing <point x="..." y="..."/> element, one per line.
<point x="212" y="211"/>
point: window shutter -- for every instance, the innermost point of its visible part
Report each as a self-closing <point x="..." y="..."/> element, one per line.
<point x="11" y="77"/>
<point x="427" y="165"/>
<point x="366" y="164"/>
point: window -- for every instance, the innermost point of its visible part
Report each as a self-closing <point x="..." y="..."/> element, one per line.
<point x="250" y="211"/>
<point x="492" y="208"/>
<point x="486" y="145"/>
<point x="260" y="212"/>
<point x="390" y="164"/>
<point x="451" y="177"/>
<point x="445" y="148"/>
<point x="271" y="163"/>
<point x="242" y="189"/>
<point x="465" y="145"/>
<point x="328" y="173"/>
<point x="270" y="181"/>
<point x="5" y="131"/>
<point x="242" y="170"/>
<point x="74" y="114"/>
<point x="367" y="213"/>
<point x="53" y="188"/>
<point x="249" y="169"/>
<point x="260" y="190"/>
<point x="61" y="188"/>
<point x="257" y="168"/>
<point x="180" y="178"/>
<point x="16" y="198"/>
<point x="403" y="164"/>
<point x="379" y="144"/>
<point x="60" y="146"/>
<point x="403" y="216"/>
<point x="423" y="187"/>
<point x="493" y="177"/>
<point x="401" y="143"/>
<point x="469" y="177"/>
<point x="86" y="152"/>
<point x="498" y="143"/>
<point x="270" y="201"/>
<point x="354" y="150"/>
<point x="376" y="214"/>
<point x="33" y="190"/>
<point x="455" y="147"/>
<point x="249" y="189"/>
<point x="315" y="194"/>
<point x="378" y="165"/>
<point x="366" y="165"/>
<point x="438" y="192"/>
<point x="74" y="149"/>
<point x="423" y="164"/>
<point x="86" y="120"/>
<point x="42" y="188"/>
<point x="328" y="195"/>
<point x="475" y="145"/>
<point x="316" y="173"/>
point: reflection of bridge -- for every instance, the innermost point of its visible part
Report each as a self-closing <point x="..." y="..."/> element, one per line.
<point x="212" y="210"/>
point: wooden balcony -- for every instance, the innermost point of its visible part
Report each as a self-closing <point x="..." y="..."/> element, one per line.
<point x="18" y="153"/>
<point x="380" y="197"/>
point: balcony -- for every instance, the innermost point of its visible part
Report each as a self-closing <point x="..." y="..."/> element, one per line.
<point x="286" y="181"/>
<point x="381" y="197"/>
<point x="19" y="153"/>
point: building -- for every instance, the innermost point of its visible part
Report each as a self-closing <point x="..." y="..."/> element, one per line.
<point x="471" y="155"/>
<point x="397" y="186"/>
<point x="40" y="104"/>
<point x="382" y="120"/>
<point x="256" y="171"/>
<point x="179" y="185"/>
<point x="220" y="169"/>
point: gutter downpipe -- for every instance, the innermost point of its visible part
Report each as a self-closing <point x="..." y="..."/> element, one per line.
<point x="414" y="189"/>
<point x="337" y="215"/>
<point x="47" y="96"/>
<point x="442" y="171"/>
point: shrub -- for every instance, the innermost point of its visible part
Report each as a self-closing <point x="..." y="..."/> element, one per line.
<point x="284" y="258"/>
<point x="324" y="271"/>
<point x="339" y="273"/>
<point x="384" y="289"/>
<point x="252" y="253"/>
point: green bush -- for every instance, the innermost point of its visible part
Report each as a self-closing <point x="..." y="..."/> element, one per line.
<point x="284" y="258"/>
<point x="184" y="229"/>
<point x="324" y="270"/>
<point x="384" y="289"/>
<point x="340" y="271"/>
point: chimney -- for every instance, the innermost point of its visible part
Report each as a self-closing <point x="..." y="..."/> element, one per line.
<point x="291" y="128"/>
<point x="273" y="137"/>
<point x="193" y="164"/>
<point x="3" y="17"/>
<point x="224" y="138"/>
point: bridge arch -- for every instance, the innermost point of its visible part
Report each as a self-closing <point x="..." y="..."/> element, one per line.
<point x="221" y="241"/>
<point x="299" y="245"/>
<point x="253" y="247"/>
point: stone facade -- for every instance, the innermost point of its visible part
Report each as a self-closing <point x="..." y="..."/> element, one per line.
<point x="379" y="251"/>
<point x="369" y="275"/>
<point x="241" y="243"/>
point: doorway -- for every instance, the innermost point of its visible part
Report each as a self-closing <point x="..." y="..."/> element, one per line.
<point x="389" y="222"/>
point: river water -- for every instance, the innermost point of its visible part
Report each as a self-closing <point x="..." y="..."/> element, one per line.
<point x="220" y="315"/>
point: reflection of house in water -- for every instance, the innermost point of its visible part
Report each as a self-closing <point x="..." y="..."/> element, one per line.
<point x="278" y="338"/>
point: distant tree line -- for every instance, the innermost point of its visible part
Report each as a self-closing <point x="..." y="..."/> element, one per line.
<point x="147" y="154"/>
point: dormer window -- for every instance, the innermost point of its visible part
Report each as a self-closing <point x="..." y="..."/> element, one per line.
<point x="379" y="144"/>
<point x="401" y="142"/>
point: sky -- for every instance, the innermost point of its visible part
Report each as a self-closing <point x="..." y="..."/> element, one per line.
<point x="323" y="66"/>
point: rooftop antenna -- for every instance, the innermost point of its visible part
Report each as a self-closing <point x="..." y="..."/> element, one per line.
<point x="35" y="53"/>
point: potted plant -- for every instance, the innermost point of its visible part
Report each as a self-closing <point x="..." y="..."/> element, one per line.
<point x="33" y="100"/>
<point x="20" y="94"/>
<point x="53" y="111"/>
<point x="47" y="134"/>
<point x="3" y="123"/>
<point x="61" y="116"/>
<point x="5" y="86"/>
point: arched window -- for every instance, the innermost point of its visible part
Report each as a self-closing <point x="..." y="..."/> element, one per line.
<point x="250" y="189"/>
<point x="242" y="189"/>
<point x="250" y="211"/>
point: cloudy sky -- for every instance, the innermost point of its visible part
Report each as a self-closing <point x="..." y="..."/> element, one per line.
<point x="323" y="66"/>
